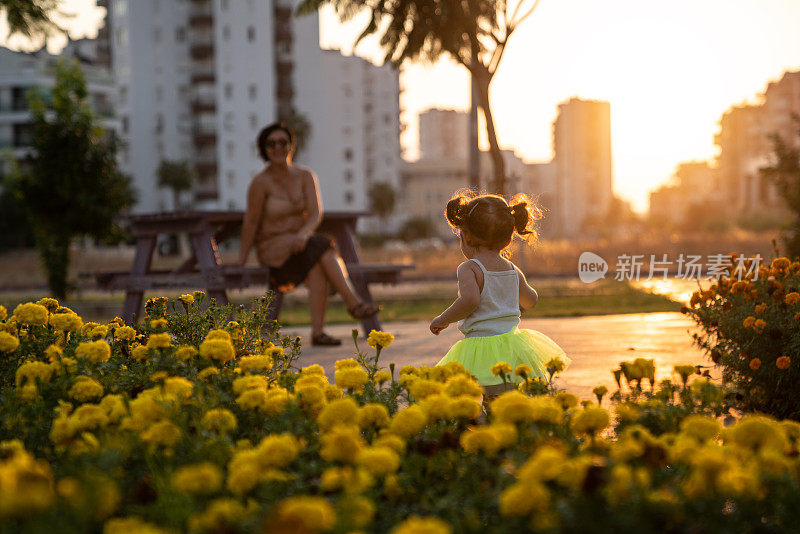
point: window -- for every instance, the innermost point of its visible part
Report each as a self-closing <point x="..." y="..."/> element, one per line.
<point x="251" y="34"/>
<point x="231" y="176"/>
<point x="252" y="91"/>
<point x="253" y="121"/>
<point x="230" y="149"/>
<point x="348" y="91"/>
<point x="159" y="123"/>
<point x="224" y="5"/>
<point x="226" y="32"/>
<point x="348" y="154"/>
<point x="228" y="91"/>
<point x="229" y="121"/>
<point x="348" y="176"/>
<point x="180" y="34"/>
<point x="125" y="124"/>
<point x="348" y="197"/>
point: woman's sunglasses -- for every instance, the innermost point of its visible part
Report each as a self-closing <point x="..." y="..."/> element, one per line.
<point x="283" y="143"/>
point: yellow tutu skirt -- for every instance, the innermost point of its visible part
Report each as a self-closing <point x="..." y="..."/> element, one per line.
<point x="517" y="347"/>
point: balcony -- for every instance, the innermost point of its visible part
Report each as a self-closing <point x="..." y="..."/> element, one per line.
<point x="206" y="187"/>
<point x="202" y="71"/>
<point x="204" y="134"/>
<point x="203" y="103"/>
<point x="201" y="45"/>
<point x="201" y="14"/>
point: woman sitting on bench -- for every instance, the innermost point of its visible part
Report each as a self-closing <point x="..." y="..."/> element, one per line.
<point x="284" y="210"/>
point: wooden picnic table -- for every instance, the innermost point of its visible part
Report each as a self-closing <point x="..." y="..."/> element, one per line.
<point x="203" y="268"/>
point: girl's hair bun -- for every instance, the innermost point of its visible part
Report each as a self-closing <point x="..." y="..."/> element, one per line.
<point x="521" y="217"/>
<point x="455" y="212"/>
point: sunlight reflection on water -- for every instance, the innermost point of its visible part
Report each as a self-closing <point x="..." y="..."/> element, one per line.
<point x="677" y="289"/>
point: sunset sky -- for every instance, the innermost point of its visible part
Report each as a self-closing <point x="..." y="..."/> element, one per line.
<point x="669" y="71"/>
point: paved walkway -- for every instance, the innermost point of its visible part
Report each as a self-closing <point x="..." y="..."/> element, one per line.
<point x="596" y="345"/>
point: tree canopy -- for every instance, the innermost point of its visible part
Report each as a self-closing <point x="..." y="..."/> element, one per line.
<point x="31" y="18"/>
<point x="784" y="172"/>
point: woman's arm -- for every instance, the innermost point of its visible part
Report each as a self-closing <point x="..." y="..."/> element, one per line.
<point x="527" y="295"/>
<point x="469" y="296"/>
<point x="256" y="194"/>
<point x="313" y="204"/>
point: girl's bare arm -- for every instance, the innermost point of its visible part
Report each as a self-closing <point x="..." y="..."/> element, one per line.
<point x="527" y="295"/>
<point x="469" y="296"/>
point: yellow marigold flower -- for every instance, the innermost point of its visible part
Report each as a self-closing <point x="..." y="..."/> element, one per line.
<point x="505" y="434"/>
<point x="276" y="400"/>
<point x="459" y="385"/>
<point x="409" y="370"/>
<point x="252" y="399"/>
<point x="382" y="377"/>
<point x="278" y="451"/>
<point x="249" y="382"/>
<point x="29" y="372"/>
<point x="128" y="525"/>
<point x="199" y="479"/>
<point x="258" y="362"/>
<point x="311" y="397"/>
<point x="792" y="298"/>
<point x="8" y="343"/>
<point x="394" y="442"/>
<point x="566" y="400"/>
<point x="523" y="370"/>
<point x="759" y="325"/>
<point x="408" y="421"/>
<point x="351" y="378"/>
<point x="353" y="481"/>
<point x="781" y="263"/>
<point x="320" y="381"/>
<point x="501" y="368"/>
<point x="700" y="427"/>
<point x="783" y="362"/>
<point x="344" y="364"/>
<point x="217" y="349"/>
<point x="140" y="352"/>
<point x="422" y="525"/>
<point x="30" y="313"/>
<point x="50" y="304"/>
<point x="422" y="388"/>
<point x="159" y="341"/>
<point x="373" y="415"/>
<point x="218" y="334"/>
<point x="755" y="364"/>
<point x="187" y="299"/>
<point x="590" y="420"/>
<point x="556" y="365"/>
<point x="158" y="376"/>
<point x="145" y="410"/>
<point x="480" y="439"/>
<point x="333" y="392"/>
<point x="114" y="407"/>
<point x="99" y="332"/>
<point x="89" y="417"/>
<point x="53" y="352"/>
<point x="178" y="386"/>
<point x="314" y="369"/>
<point x="377" y="339"/>
<point x="303" y="513"/>
<point x="378" y="461"/>
<point x="244" y="471"/>
<point x="28" y="392"/>
<point x="94" y="351"/>
<point x="219" y="420"/>
<point x="341" y="444"/>
<point x="339" y="412"/>
<point x="185" y="352"/>
<point x="547" y="463"/>
<point x="749" y="321"/>
<point x="3" y="313"/>
<point x="85" y="388"/>
<point x="125" y="333"/>
<point x="358" y="511"/>
<point x="463" y="407"/>
<point x="757" y="432"/>
<point x="760" y="309"/>
<point x="161" y="433"/>
<point x="158" y="323"/>
<point x="207" y="372"/>
<point x="66" y="322"/>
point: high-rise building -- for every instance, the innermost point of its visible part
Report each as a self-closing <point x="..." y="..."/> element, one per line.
<point x="694" y="186"/>
<point x="22" y="71"/>
<point x="582" y="143"/>
<point x="444" y="134"/>
<point x="199" y="79"/>
<point x="745" y="144"/>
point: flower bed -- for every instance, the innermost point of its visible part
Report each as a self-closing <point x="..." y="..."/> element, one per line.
<point x="191" y="422"/>
<point x="752" y="329"/>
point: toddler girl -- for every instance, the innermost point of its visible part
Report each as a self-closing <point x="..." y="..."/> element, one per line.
<point x="492" y="291"/>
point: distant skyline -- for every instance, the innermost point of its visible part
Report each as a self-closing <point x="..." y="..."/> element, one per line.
<point x="668" y="71"/>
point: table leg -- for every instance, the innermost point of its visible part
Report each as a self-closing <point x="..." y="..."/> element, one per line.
<point x="205" y="247"/>
<point x="347" y="248"/>
<point x="141" y="266"/>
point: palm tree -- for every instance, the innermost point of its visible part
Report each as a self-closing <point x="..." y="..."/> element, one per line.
<point x="474" y="33"/>
<point x="177" y="176"/>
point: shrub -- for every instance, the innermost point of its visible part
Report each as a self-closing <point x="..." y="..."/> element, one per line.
<point x="751" y="327"/>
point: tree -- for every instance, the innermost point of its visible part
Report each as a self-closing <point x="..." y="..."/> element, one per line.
<point x="474" y="33"/>
<point x="70" y="185"/>
<point x="31" y="18"/>
<point x="784" y="172"/>
<point x="417" y="228"/>
<point x="177" y="176"/>
<point x="382" y="199"/>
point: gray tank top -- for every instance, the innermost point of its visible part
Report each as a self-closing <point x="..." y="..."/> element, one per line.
<point x="498" y="311"/>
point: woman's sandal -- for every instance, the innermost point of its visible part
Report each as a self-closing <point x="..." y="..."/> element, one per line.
<point x="362" y="310"/>
<point x="324" y="340"/>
